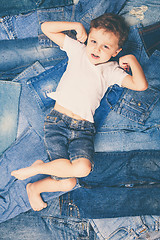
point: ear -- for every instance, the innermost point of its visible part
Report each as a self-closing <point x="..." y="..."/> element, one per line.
<point x="116" y="53"/>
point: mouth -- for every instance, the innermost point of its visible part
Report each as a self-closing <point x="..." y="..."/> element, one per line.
<point x="94" y="56"/>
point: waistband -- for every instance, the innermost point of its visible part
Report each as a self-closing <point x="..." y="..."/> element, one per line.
<point x="82" y="124"/>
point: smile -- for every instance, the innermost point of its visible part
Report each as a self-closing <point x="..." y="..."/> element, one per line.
<point x="94" y="56"/>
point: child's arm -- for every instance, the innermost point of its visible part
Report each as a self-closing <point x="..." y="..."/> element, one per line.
<point x="137" y="81"/>
<point x="54" y="31"/>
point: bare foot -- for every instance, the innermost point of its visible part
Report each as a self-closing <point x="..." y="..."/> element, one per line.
<point x="27" y="172"/>
<point x="35" y="199"/>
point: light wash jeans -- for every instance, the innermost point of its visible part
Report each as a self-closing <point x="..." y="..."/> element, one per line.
<point x="145" y="12"/>
<point x="9" y="101"/>
<point x="144" y="227"/>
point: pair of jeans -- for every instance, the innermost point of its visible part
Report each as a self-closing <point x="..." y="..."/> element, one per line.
<point x="18" y="53"/>
<point x="145" y="12"/>
<point x="122" y="184"/>
<point x="150" y="43"/>
<point x="144" y="227"/>
<point x="68" y="138"/>
<point x="49" y="224"/>
<point x="9" y="101"/>
<point x="22" y="6"/>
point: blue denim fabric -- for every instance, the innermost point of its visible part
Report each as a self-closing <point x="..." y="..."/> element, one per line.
<point x="9" y="103"/>
<point x="17" y="54"/>
<point x="134" y="45"/>
<point x="127" y="181"/>
<point x="68" y="138"/>
<point x="144" y="227"/>
<point x="84" y="11"/>
<point x="109" y="100"/>
<point x="150" y="43"/>
<point x="134" y="122"/>
<point x="22" y="6"/>
<point x="31" y="107"/>
<point x="30" y="135"/>
<point x="13" y="195"/>
<point x="36" y="99"/>
<point x="19" y="26"/>
<point x="28" y="25"/>
<point x="145" y="12"/>
<point x="73" y="207"/>
<point x="48" y="81"/>
<point x="49" y="224"/>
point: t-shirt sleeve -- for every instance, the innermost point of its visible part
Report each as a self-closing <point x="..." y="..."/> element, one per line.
<point x="115" y="75"/>
<point x="71" y="46"/>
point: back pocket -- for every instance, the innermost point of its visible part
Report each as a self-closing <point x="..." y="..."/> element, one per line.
<point x="137" y="106"/>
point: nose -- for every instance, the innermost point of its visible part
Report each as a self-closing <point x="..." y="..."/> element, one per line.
<point x="97" y="49"/>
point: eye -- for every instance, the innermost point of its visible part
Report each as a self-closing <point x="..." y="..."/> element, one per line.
<point x="105" y="46"/>
<point x="93" y="41"/>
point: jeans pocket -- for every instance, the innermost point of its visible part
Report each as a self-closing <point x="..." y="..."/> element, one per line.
<point x="66" y="228"/>
<point x="137" y="106"/>
<point x="47" y="82"/>
<point x="54" y="14"/>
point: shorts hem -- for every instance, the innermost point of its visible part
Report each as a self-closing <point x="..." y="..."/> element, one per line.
<point x="83" y="156"/>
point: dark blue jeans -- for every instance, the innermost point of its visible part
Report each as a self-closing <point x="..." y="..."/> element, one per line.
<point x="150" y="43"/>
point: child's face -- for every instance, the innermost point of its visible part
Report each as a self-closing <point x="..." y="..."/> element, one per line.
<point x="101" y="46"/>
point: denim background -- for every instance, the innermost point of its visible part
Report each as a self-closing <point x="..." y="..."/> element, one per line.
<point x="23" y="6"/>
<point x="9" y="102"/>
<point x="126" y="177"/>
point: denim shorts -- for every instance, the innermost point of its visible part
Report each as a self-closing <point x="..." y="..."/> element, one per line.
<point x="68" y="138"/>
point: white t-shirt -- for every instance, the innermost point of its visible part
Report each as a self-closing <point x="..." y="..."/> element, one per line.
<point x="83" y="84"/>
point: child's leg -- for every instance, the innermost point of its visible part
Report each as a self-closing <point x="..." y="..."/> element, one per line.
<point x="61" y="168"/>
<point x="46" y="185"/>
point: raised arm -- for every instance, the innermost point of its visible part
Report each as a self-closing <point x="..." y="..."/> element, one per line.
<point x="54" y="31"/>
<point x="137" y="81"/>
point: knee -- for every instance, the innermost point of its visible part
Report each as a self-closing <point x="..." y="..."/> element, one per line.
<point x="83" y="168"/>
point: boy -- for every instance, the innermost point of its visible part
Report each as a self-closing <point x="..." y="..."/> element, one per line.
<point x="69" y="128"/>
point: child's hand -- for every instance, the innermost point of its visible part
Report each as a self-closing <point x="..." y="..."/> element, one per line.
<point x="81" y="33"/>
<point x="124" y="62"/>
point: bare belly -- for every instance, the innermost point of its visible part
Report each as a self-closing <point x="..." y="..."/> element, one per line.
<point x="67" y="112"/>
